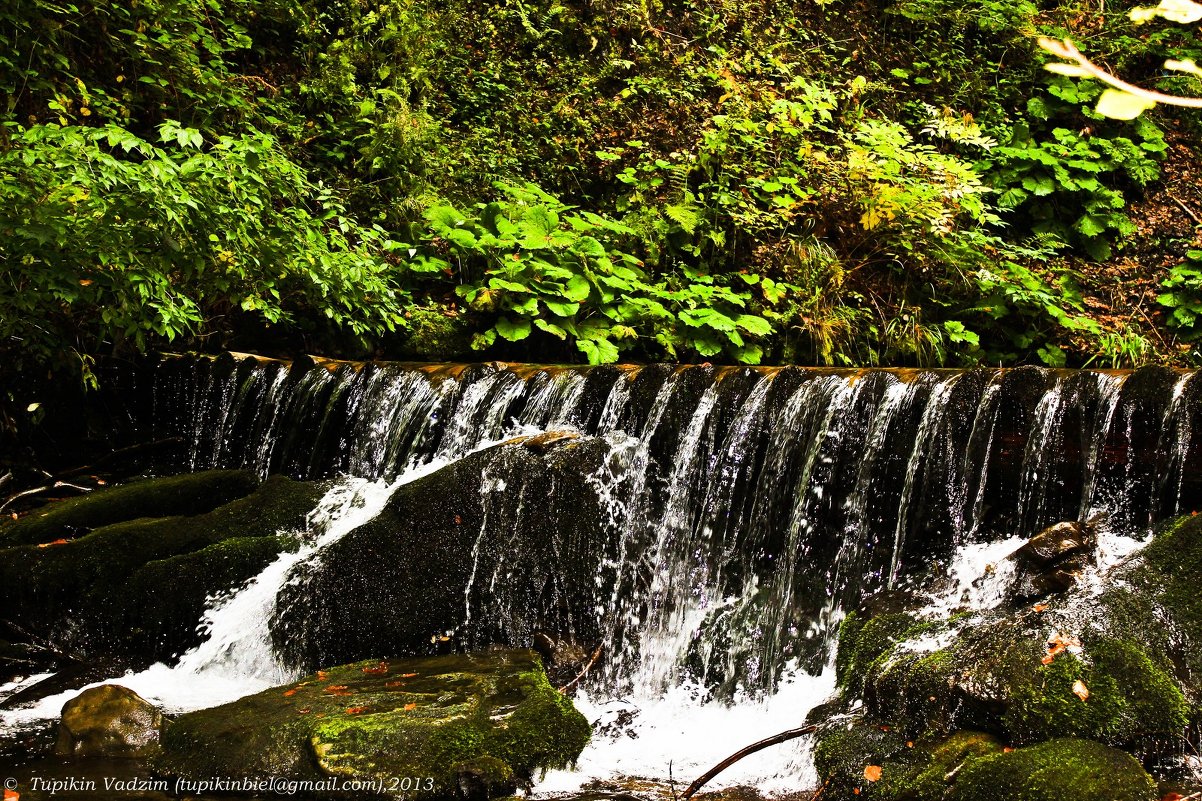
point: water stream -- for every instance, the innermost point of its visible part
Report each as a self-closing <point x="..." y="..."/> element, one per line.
<point x="746" y="512"/>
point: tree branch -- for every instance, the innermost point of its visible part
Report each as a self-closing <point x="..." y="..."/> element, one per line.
<point x="735" y="757"/>
<point x="1068" y="51"/>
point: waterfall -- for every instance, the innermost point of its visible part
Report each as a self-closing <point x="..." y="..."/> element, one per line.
<point x="744" y="510"/>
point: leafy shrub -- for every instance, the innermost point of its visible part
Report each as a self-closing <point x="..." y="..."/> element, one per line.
<point x="112" y="241"/>
<point x="538" y="266"/>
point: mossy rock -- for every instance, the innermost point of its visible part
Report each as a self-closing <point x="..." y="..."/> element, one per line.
<point x="486" y="721"/>
<point x="191" y="494"/>
<point x="437" y="334"/>
<point x="843" y="752"/>
<point x="109" y="721"/>
<point x="1053" y="771"/>
<point x="138" y="587"/>
<point x="1158" y="602"/>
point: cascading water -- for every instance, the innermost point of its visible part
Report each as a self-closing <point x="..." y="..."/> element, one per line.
<point x="742" y="511"/>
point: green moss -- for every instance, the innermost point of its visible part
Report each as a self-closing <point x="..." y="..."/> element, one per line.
<point x="118" y="582"/>
<point x="928" y="781"/>
<point x="191" y="494"/>
<point x="841" y="753"/>
<point x="1129" y="698"/>
<point x="863" y="643"/>
<point x="489" y="720"/>
<point x="437" y="334"/>
<point x="1053" y="771"/>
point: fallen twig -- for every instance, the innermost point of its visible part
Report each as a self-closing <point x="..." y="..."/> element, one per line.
<point x="784" y="736"/>
<point x="1189" y="212"/>
<point x="39" y="490"/>
<point x="564" y="690"/>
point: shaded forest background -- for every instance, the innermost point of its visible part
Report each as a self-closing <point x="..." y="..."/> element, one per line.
<point x="855" y="182"/>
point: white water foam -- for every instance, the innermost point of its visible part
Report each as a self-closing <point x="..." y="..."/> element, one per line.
<point x="680" y="734"/>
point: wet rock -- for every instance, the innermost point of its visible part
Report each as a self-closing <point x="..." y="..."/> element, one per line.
<point x="472" y="726"/>
<point x="1053" y="771"/>
<point x="1053" y="560"/>
<point x="518" y="526"/>
<point x="1090" y="672"/>
<point x="868" y="761"/>
<point x="191" y="494"/>
<point x="109" y="721"/>
<point x="564" y="659"/>
<point x="137" y="587"/>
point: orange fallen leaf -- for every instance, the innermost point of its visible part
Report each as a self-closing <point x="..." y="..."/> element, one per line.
<point x="1007" y="750"/>
<point x="1040" y="607"/>
<point x="337" y="689"/>
<point x="872" y="773"/>
<point x="1172" y="797"/>
<point x="1057" y="644"/>
<point x="1080" y="690"/>
<point x="355" y="710"/>
<point x="884" y="728"/>
<point x="377" y="670"/>
<point x="85" y="282"/>
<point x="321" y="674"/>
<point x="395" y="684"/>
<point x="458" y="520"/>
<point x="855" y="790"/>
<point x="11" y="795"/>
<point x="408" y="675"/>
<point x="909" y="743"/>
<point x="48" y="544"/>
<point x="410" y="707"/>
<point x="290" y="693"/>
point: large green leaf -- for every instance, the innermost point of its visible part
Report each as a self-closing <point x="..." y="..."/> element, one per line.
<point x="513" y="330"/>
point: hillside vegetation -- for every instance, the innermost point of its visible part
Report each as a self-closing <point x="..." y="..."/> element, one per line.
<point x="850" y="182"/>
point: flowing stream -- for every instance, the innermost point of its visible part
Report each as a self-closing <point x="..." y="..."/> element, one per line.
<point x="747" y="511"/>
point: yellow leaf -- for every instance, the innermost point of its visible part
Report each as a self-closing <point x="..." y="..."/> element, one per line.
<point x="1080" y="690"/>
<point x="1122" y="105"/>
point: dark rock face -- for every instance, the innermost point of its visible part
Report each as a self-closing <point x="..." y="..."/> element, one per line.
<point x="1052" y="560"/>
<point x="109" y="721"/>
<point x="117" y="580"/>
<point x="474" y="727"/>
<point x="487" y="550"/>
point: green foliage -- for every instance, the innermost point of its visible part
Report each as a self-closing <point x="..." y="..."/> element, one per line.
<point x="110" y="240"/>
<point x="788" y="182"/>
<point x="1184" y="296"/>
<point x="1069" y="184"/>
<point x="539" y="266"/>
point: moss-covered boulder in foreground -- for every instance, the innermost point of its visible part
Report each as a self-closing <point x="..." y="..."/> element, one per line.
<point x="136" y="585"/>
<point x="480" y="724"/>
<point x="869" y="761"/>
<point x="1074" y="678"/>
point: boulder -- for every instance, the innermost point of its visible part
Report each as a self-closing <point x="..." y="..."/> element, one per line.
<point x="488" y="550"/>
<point x="1052" y="560"/>
<point x="191" y="494"/>
<point x="868" y="761"/>
<point x="474" y="726"/>
<point x="137" y="586"/>
<point x="1087" y="671"/>
<point x="108" y="721"/>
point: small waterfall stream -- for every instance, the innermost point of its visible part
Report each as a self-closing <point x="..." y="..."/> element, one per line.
<point x="745" y="511"/>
